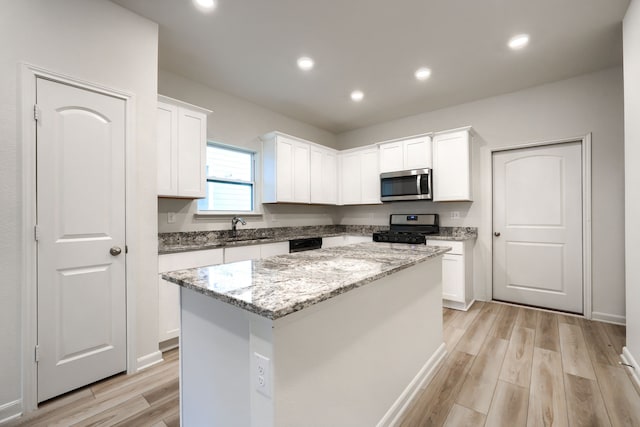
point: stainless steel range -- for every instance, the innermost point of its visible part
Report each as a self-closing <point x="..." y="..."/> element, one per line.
<point x="411" y="228"/>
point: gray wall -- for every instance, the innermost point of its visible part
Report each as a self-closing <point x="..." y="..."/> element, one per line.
<point x="98" y="42"/>
<point x="238" y="122"/>
<point x="590" y="103"/>
<point x="631" y="30"/>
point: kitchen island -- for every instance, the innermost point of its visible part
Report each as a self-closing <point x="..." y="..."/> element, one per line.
<point x="338" y="336"/>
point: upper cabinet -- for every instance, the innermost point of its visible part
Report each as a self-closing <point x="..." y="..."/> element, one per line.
<point x="181" y="149"/>
<point x="452" y="165"/>
<point x="323" y="175"/>
<point x="359" y="176"/>
<point x="405" y="154"/>
<point x="285" y="169"/>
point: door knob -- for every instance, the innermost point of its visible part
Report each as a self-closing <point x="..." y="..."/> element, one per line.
<point x="497" y="234"/>
<point x="115" y="251"/>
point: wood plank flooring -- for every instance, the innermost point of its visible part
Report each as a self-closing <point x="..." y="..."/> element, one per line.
<point x="516" y="366"/>
<point x="148" y="398"/>
<point x="506" y="366"/>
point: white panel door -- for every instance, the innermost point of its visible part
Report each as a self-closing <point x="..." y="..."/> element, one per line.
<point x="453" y="277"/>
<point x="330" y="177"/>
<point x="315" y="175"/>
<point x="81" y="217"/>
<point x="301" y="173"/>
<point x="452" y="167"/>
<point x="284" y="169"/>
<point x="391" y="157"/>
<point x="417" y="153"/>
<point x="167" y="146"/>
<point x="537" y="224"/>
<point x="350" y="178"/>
<point x="370" y="176"/>
<point x="241" y="253"/>
<point x="323" y="171"/>
<point x="192" y="152"/>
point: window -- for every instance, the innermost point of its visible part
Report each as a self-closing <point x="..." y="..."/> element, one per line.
<point x="230" y="183"/>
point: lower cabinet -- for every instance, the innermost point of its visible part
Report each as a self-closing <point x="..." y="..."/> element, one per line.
<point x="241" y="253"/>
<point x="169" y="293"/>
<point x="351" y="239"/>
<point x="457" y="273"/>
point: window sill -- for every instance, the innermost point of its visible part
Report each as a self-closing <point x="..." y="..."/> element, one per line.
<point x="225" y="214"/>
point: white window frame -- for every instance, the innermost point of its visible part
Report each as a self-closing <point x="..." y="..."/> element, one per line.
<point x="255" y="202"/>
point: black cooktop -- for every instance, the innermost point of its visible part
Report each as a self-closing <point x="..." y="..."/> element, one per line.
<point x="409" y="228"/>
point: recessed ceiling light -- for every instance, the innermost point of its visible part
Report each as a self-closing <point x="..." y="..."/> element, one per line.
<point x="423" y="73"/>
<point x="357" y="95"/>
<point x="519" y="41"/>
<point x="305" y="63"/>
<point x="205" y="4"/>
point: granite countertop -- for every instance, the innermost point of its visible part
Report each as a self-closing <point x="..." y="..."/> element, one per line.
<point x="276" y="286"/>
<point x="199" y="240"/>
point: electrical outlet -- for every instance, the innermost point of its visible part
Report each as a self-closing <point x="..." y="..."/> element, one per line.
<point x="171" y="217"/>
<point x="455" y="214"/>
<point x="263" y="374"/>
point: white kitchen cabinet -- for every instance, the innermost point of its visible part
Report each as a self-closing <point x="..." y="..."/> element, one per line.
<point x="359" y="176"/>
<point x="286" y="169"/>
<point x="324" y="175"/>
<point x="391" y="157"/>
<point x="273" y="249"/>
<point x="241" y="253"/>
<point x="245" y="253"/>
<point x="181" y="149"/>
<point x="405" y="154"/>
<point x="169" y="293"/>
<point x="457" y="273"/>
<point x="452" y="165"/>
<point x="333" y="241"/>
<point x="351" y="239"/>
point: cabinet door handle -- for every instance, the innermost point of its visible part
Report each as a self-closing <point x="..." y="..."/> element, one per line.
<point x="497" y="234"/>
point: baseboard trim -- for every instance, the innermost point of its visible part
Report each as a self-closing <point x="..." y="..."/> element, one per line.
<point x="633" y="371"/>
<point x="608" y="318"/>
<point x="169" y="344"/>
<point x="420" y="381"/>
<point x="457" y="305"/>
<point x="149" y="360"/>
<point x="10" y="411"/>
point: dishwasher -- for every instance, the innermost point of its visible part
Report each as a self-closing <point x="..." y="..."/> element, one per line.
<point x="308" y="244"/>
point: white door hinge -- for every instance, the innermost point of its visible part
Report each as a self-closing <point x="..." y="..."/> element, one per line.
<point x="36" y="353"/>
<point x="36" y="232"/>
<point x="36" y="112"/>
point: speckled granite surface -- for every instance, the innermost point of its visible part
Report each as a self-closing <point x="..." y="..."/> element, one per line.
<point x="276" y="286"/>
<point x="455" y="233"/>
<point x="198" y="240"/>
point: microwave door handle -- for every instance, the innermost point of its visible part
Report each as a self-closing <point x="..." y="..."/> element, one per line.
<point x="418" y="186"/>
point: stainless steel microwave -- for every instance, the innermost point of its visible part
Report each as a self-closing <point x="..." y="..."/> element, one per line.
<point x="412" y="184"/>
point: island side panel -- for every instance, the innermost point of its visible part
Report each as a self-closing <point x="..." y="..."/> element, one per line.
<point x="214" y="362"/>
<point x="347" y="360"/>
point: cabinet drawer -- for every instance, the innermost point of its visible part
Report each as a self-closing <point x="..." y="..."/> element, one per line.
<point x="193" y="259"/>
<point x="457" y="248"/>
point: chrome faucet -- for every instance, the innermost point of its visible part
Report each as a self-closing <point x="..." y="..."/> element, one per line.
<point x="234" y="223"/>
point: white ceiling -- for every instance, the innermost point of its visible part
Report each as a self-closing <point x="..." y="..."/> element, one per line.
<point x="249" y="48"/>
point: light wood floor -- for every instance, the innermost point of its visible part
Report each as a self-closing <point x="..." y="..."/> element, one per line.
<point x="514" y="366"/>
<point x="148" y="398"/>
<point x="506" y="366"/>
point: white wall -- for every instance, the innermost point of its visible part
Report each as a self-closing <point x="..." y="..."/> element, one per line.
<point x="631" y="31"/>
<point x="236" y="121"/>
<point x="99" y="42"/>
<point x="574" y="107"/>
